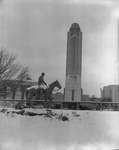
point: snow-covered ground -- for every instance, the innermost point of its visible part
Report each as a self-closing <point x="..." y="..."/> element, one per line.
<point x="85" y="130"/>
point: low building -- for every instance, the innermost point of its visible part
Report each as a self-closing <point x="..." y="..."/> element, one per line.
<point x="15" y="90"/>
<point x="85" y="98"/>
<point x="110" y="92"/>
<point x="58" y="96"/>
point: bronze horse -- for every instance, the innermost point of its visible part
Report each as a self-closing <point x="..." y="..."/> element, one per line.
<point x="30" y="93"/>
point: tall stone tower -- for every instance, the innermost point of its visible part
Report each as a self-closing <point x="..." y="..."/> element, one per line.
<point x="73" y="64"/>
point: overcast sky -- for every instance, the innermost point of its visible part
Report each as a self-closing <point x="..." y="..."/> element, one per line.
<point x="36" y="30"/>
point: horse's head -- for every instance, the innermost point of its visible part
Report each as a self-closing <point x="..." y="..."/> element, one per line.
<point x="57" y="84"/>
<point x="54" y="84"/>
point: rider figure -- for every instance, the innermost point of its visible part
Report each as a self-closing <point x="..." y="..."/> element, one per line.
<point x="41" y="84"/>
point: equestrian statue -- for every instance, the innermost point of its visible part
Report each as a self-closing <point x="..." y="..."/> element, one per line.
<point x="41" y="91"/>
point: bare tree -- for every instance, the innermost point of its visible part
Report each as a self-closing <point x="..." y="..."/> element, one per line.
<point x="23" y="74"/>
<point x="11" y="73"/>
<point x="8" y="68"/>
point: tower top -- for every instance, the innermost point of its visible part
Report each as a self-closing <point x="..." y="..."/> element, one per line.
<point x="75" y="26"/>
<point x="75" y="29"/>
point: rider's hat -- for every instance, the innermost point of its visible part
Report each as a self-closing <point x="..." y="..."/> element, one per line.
<point x="43" y="73"/>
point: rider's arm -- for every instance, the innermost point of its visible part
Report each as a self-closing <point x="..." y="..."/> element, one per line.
<point x="45" y="83"/>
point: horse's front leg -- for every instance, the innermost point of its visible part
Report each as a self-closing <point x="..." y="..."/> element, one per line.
<point x="50" y="104"/>
<point x="45" y="102"/>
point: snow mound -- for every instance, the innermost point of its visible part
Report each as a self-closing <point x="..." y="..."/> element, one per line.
<point x="41" y="129"/>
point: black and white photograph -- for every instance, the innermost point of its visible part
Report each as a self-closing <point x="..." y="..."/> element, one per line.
<point x="59" y="75"/>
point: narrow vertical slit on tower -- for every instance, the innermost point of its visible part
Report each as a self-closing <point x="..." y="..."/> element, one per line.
<point x="72" y="95"/>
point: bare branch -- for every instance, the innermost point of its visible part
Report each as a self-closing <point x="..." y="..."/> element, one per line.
<point x="11" y="73"/>
<point x="7" y="64"/>
<point x="24" y="73"/>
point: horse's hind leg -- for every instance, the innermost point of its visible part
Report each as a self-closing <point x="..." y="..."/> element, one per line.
<point x="29" y="102"/>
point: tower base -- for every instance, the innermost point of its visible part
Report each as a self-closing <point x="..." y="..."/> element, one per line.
<point x="73" y="88"/>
